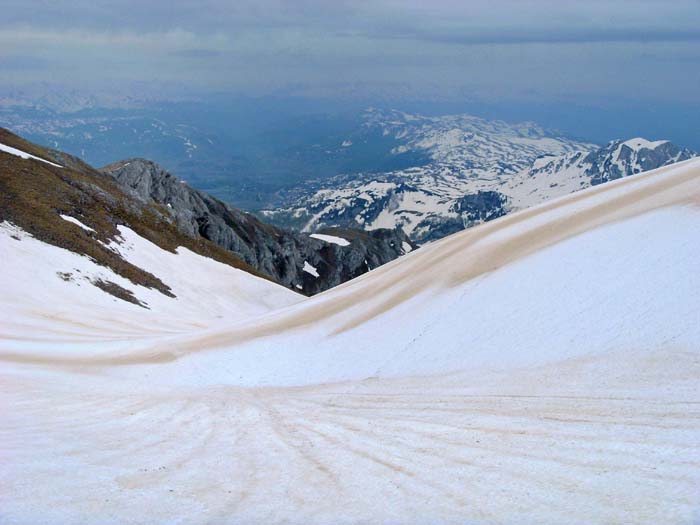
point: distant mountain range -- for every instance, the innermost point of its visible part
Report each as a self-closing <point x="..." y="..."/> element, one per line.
<point x="381" y="169"/>
<point x="241" y="152"/>
<point x="479" y="170"/>
<point x="308" y="168"/>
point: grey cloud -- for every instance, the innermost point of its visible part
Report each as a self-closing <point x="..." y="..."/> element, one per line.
<point x="546" y="36"/>
<point x="22" y="62"/>
<point x="533" y="20"/>
<point x="367" y="45"/>
<point x="196" y="53"/>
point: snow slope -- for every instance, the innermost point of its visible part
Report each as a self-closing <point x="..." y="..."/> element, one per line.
<point x="541" y="368"/>
<point x="48" y="295"/>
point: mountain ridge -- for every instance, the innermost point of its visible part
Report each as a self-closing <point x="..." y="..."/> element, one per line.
<point x="282" y="254"/>
<point x="43" y="191"/>
<point x="34" y="195"/>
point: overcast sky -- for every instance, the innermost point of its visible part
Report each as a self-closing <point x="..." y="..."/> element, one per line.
<point x="494" y="48"/>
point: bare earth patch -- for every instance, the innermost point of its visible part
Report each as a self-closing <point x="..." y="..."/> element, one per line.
<point x="117" y="291"/>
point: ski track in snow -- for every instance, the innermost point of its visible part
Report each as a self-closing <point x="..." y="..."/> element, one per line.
<point x="541" y="368"/>
<point x="382" y="451"/>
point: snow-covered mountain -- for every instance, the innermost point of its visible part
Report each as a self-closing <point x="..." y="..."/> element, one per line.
<point x="539" y="368"/>
<point x="479" y="170"/>
<point x="71" y="232"/>
<point x="550" y="177"/>
<point x="469" y="144"/>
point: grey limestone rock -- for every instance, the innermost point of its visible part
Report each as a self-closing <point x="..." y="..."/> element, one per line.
<point x="279" y="253"/>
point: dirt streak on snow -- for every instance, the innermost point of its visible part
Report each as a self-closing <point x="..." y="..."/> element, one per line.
<point x="443" y="264"/>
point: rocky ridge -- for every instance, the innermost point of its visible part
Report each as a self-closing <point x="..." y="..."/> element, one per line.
<point x="296" y="260"/>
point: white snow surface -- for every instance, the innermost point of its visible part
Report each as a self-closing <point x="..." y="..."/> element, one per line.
<point x="24" y="155"/>
<point x="331" y="239"/>
<point x="640" y="143"/>
<point x="76" y="222"/>
<point x="540" y="368"/>
<point x="308" y="268"/>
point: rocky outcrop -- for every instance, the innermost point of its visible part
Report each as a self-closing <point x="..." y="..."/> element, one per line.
<point x="481" y="206"/>
<point x="296" y="260"/>
<point x="465" y="212"/>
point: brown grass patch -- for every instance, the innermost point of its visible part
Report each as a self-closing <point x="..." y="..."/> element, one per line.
<point x="119" y="292"/>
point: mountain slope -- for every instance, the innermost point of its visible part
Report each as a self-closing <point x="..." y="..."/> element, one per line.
<point x="540" y="368"/>
<point x="35" y="193"/>
<point x="296" y="260"/>
<point x="71" y="232"/>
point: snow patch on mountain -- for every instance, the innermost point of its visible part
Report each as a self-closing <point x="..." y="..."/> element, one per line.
<point x="24" y="155"/>
<point x="640" y="143"/>
<point x="330" y="239"/>
<point x="76" y="222"/>
<point x="308" y="268"/>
